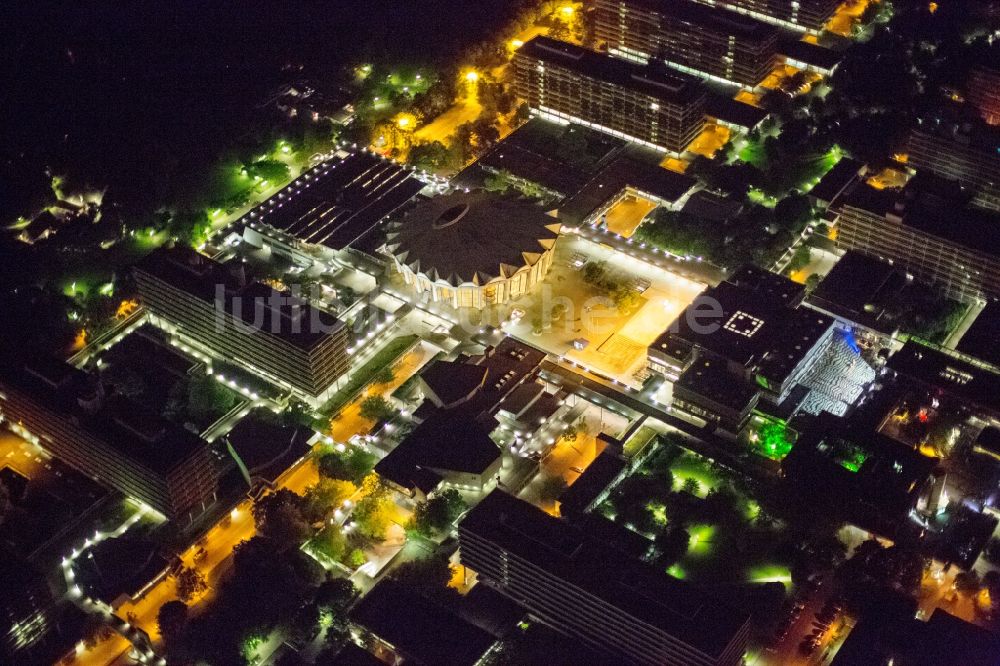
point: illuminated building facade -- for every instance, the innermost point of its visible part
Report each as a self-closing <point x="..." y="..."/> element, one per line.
<point x="965" y="152"/>
<point x="111" y="440"/>
<point x="590" y="591"/>
<point x="636" y="102"/>
<point x="270" y="333"/>
<point x="949" y="247"/>
<point x="803" y="15"/>
<point x="710" y="43"/>
<point x="984" y="92"/>
<point x="473" y="250"/>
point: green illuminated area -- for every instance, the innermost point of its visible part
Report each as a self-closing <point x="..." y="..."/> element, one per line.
<point x="847" y="454"/>
<point x="772" y="439"/>
<point x="769" y="573"/>
<point x="694" y="474"/>
<point x="853" y="460"/>
<point x="701" y="518"/>
<point x="677" y="572"/>
<point x="659" y="512"/>
<point x="639" y="440"/>
<point x="702" y="540"/>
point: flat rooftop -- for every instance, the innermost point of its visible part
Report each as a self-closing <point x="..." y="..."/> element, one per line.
<point x="264" y="308"/>
<point x="418" y="628"/>
<point x="980" y="341"/>
<point x="635" y="588"/>
<point x="449" y="440"/>
<point x="858" y="288"/>
<point x="942" y="370"/>
<point x="626" y="171"/>
<point x="811" y="54"/>
<point x="837" y="179"/>
<point x="596" y="478"/>
<point x="751" y="319"/>
<point x="338" y="201"/>
<point x="659" y="83"/>
<point x="266" y="445"/>
<point x="971" y="228"/>
<point x="734" y="112"/>
<point x="135" y="432"/>
<point x="845" y="465"/>
<point x="711" y="380"/>
<point x="536" y="152"/>
<point x="710" y="18"/>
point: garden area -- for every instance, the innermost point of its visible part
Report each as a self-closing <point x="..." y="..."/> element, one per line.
<point x="370" y="372"/>
<point x="707" y="522"/>
<point x="758" y="233"/>
<point x="768" y="437"/>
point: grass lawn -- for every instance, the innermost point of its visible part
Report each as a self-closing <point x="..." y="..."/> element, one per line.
<point x="691" y="466"/>
<point x="639" y="439"/>
<point x="365" y="374"/>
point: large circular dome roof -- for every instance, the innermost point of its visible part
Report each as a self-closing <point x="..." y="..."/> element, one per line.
<point x="472" y="237"/>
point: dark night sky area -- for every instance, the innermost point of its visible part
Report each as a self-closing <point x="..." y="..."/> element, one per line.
<point x="119" y="85"/>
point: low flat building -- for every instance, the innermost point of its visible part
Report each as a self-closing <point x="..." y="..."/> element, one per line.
<point x="452" y="444"/>
<point x="264" y="447"/>
<point x="654" y="107"/>
<point x="448" y="448"/>
<point x="809" y="57"/>
<point x="749" y="327"/>
<point x="415" y="630"/>
<point x="691" y="37"/>
<point x="593" y="486"/>
<point x="942" y="640"/>
<point x="709" y="391"/>
<point x="334" y="205"/>
<point x="583" y="588"/>
<point x="108" y="438"/>
<point x="624" y="177"/>
<point x="859" y="291"/>
<point x="734" y="114"/>
<point x="943" y="370"/>
<point x="980" y="340"/>
<point x="857" y="474"/>
<point x="118" y="569"/>
<point x="272" y="334"/>
<point x="836" y="181"/>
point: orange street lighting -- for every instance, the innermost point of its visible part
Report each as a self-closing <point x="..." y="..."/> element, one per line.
<point x="472" y="76"/>
<point x="567" y="10"/>
<point x="406" y="121"/>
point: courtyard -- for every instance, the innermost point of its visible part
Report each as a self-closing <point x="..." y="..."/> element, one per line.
<point x="569" y="317"/>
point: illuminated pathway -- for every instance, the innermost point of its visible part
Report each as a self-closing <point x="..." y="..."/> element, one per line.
<point x="218" y="542"/>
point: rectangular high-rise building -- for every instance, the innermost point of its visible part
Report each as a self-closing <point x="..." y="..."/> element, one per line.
<point x="967" y="152"/>
<point x="953" y="248"/>
<point x="270" y="333"/>
<point x="592" y="592"/>
<point x="110" y="439"/>
<point x="801" y="15"/>
<point x="694" y="38"/>
<point x="655" y="107"/>
<point x="983" y="92"/>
